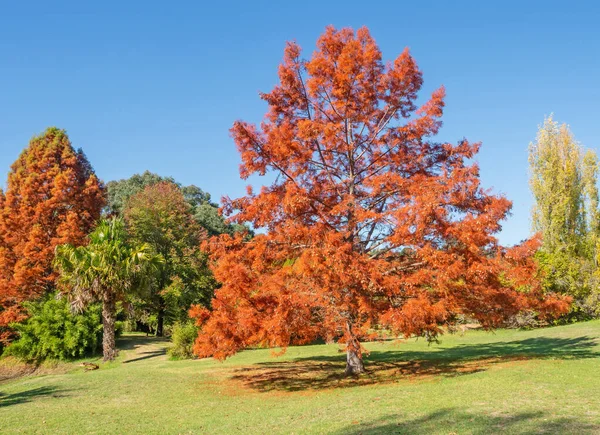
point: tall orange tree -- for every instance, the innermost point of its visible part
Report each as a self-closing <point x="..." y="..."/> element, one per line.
<point x="53" y="197"/>
<point x="371" y="226"/>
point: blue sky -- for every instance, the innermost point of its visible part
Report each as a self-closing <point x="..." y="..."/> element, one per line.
<point x="156" y="85"/>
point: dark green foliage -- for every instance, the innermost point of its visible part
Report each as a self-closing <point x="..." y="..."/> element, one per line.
<point x="175" y="230"/>
<point x="184" y="335"/>
<point x="204" y="210"/>
<point x="161" y="217"/>
<point x="207" y="216"/>
<point x="53" y="331"/>
<point x="195" y="196"/>
<point x="118" y="192"/>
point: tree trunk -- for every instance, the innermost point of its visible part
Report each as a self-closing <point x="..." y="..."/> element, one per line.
<point x="354" y="363"/>
<point x="160" y="322"/>
<point x="108" y="327"/>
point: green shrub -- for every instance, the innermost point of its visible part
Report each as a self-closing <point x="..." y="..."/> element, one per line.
<point x="184" y="334"/>
<point x="53" y="331"/>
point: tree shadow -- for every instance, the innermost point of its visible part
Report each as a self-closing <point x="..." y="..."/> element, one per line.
<point x="321" y="372"/>
<point x="456" y="421"/>
<point x="132" y="342"/>
<point x="29" y="395"/>
<point x="147" y="355"/>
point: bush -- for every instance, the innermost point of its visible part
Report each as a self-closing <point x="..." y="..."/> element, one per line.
<point x="183" y="336"/>
<point x="524" y="320"/>
<point x="53" y="331"/>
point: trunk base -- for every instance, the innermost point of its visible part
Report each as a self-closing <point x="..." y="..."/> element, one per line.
<point x="110" y="356"/>
<point x="354" y="363"/>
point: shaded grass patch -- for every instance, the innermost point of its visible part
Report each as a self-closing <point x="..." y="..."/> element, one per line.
<point x="324" y="372"/>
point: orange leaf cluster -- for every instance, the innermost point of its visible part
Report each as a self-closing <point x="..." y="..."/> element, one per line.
<point x="52" y="197"/>
<point x="371" y="225"/>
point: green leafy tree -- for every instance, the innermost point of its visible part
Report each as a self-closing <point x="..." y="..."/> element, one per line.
<point x="204" y="210"/>
<point x="564" y="186"/>
<point x="160" y="217"/>
<point x="105" y="270"/>
<point x="118" y="192"/>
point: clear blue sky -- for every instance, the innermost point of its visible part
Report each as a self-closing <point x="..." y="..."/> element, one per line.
<point x="156" y="84"/>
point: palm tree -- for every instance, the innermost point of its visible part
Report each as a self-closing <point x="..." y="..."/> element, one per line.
<point x="105" y="270"/>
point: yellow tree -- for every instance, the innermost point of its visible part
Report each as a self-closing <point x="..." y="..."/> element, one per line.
<point x="565" y="212"/>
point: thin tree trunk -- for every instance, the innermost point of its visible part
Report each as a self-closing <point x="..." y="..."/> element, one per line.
<point x="160" y="318"/>
<point x="108" y="327"/>
<point x="160" y="322"/>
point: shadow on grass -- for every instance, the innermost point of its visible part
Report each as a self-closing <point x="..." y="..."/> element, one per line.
<point x="131" y="342"/>
<point x="321" y="372"/>
<point x="28" y="396"/>
<point x="147" y="355"/>
<point x="456" y="421"/>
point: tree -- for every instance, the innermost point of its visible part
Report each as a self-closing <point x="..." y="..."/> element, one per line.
<point x="204" y="210"/>
<point x="52" y="197"/>
<point x="160" y="217"/>
<point x="565" y="212"/>
<point x="105" y="270"/>
<point x="590" y="201"/>
<point x="118" y="192"/>
<point x="370" y="226"/>
<point x="557" y="186"/>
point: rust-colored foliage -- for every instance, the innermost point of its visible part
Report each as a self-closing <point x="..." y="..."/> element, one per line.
<point x="371" y="225"/>
<point x="52" y="197"/>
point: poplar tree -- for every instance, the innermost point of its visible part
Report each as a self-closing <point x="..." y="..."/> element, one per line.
<point x="565" y="212"/>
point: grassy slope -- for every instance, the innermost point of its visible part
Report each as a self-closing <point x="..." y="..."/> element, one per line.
<point x="542" y="381"/>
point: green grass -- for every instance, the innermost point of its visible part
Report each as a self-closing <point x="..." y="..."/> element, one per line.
<point x="541" y="381"/>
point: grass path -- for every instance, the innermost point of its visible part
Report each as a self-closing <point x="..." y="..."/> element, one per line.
<point x="541" y="381"/>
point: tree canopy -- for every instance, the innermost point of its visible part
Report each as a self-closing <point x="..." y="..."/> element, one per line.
<point x="53" y="197"/>
<point x="205" y="211"/>
<point x="370" y="225"/>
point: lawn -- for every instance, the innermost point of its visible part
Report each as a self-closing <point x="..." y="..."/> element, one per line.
<point x="541" y="381"/>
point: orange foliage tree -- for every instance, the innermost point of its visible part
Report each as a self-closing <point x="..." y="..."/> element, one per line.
<point x="52" y="197"/>
<point x="372" y="227"/>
